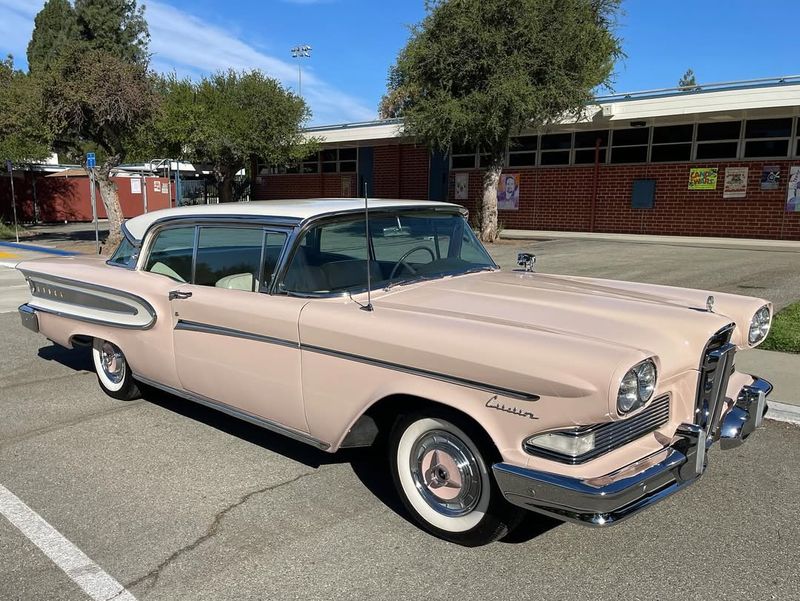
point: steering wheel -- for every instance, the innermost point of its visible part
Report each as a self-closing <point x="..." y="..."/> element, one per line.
<point x="402" y="260"/>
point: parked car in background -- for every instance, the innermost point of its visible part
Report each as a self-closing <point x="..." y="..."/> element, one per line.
<point x="496" y="392"/>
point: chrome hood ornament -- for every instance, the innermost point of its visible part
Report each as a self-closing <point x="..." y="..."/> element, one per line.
<point x="710" y="304"/>
<point x="527" y="261"/>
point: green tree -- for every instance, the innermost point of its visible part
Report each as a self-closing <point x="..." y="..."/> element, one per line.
<point x="688" y="82"/>
<point x="96" y="90"/>
<point x="229" y="118"/>
<point x="117" y="27"/>
<point x="95" y="97"/>
<point x="477" y="72"/>
<point x="55" y="27"/>
<point x="24" y="137"/>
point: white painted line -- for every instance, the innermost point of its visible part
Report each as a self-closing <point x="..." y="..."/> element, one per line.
<point x="783" y="412"/>
<point x="74" y="562"/>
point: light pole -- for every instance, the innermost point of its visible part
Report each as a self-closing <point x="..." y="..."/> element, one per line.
<point x="300" y="52"/>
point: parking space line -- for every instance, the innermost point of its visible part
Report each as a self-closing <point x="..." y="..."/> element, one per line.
<point x="75" y="563"/>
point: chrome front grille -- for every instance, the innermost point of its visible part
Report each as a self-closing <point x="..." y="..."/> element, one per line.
<point x="715" y="371"/>
<point x="612" y="435"/>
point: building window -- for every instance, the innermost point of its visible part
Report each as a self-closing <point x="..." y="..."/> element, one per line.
<point x="556" y="149"/>
<point x="672" y="143"/>
<point x="630" y="145"/>
<point x="522" y="151"/>
<point x="585" y="144"/>
<point x="767" y="137"/>
<point x="462" y="157"/>
<point x="339" y="160"/>
<point x="718" y="140"/>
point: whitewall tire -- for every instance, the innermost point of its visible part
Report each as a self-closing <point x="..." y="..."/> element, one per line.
<point x="113" y="373"/>
<point x="441" y="468"/>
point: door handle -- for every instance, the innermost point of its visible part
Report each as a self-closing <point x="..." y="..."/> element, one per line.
<point x="178" y="294"/>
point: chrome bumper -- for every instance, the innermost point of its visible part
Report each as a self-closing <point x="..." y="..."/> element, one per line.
<point x="608" y="499"/>
<point x="29" y="318"/>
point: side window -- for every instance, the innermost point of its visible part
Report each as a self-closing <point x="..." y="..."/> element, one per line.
<point x="229" y="258"/>
<point x="275" y="242"/>
<point x="171" y="253"/>
<point x="125" y="254"/>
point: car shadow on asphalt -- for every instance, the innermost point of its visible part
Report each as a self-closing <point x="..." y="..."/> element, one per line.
<point x="370" y="465"/>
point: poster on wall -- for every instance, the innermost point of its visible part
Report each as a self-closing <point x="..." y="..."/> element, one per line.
<point x="703" y="178"/>
<point x="462" y="186"/>
<point x="770" y="177"/>
<point x="793" y="194"/>
<point x="347" y="187"/>
<point x="508" y="192"/>
<point x="735" y="185"/>
<point x="136" y="185"/>
<point x="157" y="186"/>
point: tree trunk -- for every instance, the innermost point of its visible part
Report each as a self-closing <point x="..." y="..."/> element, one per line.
<point x="488" y="214"/>
<point x="224" y="175"/>
<point x="110" y="198"/>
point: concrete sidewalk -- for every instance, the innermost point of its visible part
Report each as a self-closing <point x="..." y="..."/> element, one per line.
<point x="706" y="242"/>
<point x="782" y="369"/>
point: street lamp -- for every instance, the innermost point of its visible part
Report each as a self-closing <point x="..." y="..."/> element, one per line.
<point x="300" y="52"/>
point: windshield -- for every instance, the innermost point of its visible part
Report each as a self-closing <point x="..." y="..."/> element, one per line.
<point x="404" y="247"/>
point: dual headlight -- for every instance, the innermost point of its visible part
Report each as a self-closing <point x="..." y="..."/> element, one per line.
<point x="759" y="326"/>
<point x="637" y="386"/>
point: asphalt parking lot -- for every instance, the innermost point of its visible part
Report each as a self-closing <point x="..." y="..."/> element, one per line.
<point x="176" y="501"/>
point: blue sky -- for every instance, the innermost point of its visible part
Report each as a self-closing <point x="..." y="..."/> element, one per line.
<point x="355" y="41"/>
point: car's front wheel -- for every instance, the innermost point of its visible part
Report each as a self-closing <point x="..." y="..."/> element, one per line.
<point x="113" y="372"/>
<point x="440" y="468"/>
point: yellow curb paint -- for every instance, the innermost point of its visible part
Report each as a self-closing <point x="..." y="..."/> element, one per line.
<point x="4" y="255"/>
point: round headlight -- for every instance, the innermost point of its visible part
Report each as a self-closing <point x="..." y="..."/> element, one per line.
<point x="637" y="386"/>
<point x="759" y="325"/>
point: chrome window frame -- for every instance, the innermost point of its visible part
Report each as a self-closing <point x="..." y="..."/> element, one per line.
<point x="134" y="259"/>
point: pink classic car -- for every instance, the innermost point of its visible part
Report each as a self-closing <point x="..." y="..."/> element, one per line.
<point x="495" y="392"/>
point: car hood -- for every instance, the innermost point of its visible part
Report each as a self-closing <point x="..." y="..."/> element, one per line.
<point x="672" y="323"/>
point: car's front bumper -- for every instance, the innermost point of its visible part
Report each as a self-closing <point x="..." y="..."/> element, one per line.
<point x="608" y="499"/>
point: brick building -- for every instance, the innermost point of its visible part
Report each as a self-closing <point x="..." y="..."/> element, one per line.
<point x="624" y="167"/>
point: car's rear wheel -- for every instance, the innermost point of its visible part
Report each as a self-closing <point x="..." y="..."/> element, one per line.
<point x="440" y="468"/>
<point x="113" y="373"/>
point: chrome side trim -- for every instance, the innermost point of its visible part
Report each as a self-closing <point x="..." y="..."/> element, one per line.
<point x="222" y="331"/>
<point x="192" y="326"/>
<point x="79" y="298"/>
<point x="237" y="413"/>
<point x="491" y="389"/>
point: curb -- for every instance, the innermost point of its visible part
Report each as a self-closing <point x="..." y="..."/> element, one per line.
<point x="782" y="412"/>
<point x="39" y="249"/>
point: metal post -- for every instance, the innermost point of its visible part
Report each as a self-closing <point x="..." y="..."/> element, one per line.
<point x="178" y="191"/>
<point x="144" y="190"/>
<point x="13" y="199"/>
<point x="94" y="212"/>
<point x="35" y="202"/>
<point x="169" y="180"/>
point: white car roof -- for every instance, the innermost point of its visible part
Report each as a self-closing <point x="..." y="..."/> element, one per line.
<point x="300" y="209"/>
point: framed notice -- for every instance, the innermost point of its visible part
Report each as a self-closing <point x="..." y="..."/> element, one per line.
<point x="508" y="192"/>
<point x="735" y="185"/>
<point x="462" y="186"/>
<point x="347" y="187"/>
<point x="793" y="190"/>
<point x="770" y="177"/>
<point x="136" y="185"/>
<point x="157" y="186"/>
<point x="703" y="178"/>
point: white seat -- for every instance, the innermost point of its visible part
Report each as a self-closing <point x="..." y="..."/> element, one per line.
<point x="236" y="281"/>
<point x="163" y="269"/>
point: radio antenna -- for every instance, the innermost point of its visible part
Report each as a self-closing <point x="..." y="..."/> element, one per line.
<point x="368" y="306"/>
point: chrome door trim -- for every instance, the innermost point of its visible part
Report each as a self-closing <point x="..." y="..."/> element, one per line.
<point x="193" y="326"/>
<point x="237" y="413"/>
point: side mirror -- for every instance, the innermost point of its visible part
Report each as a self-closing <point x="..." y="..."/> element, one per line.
<point x="526" y="261"/>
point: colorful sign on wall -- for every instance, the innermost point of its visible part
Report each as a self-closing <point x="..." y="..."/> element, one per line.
<point x="462" y="186"/>
<point x="735" y="185"/>
<point x="508" y="192"/>
<point x="770" y="177"/>
<point x="703" y="178"/>
<point x="793" y="191"/>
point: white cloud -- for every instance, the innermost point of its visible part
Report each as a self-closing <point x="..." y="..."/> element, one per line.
<point x="192" y="46"/>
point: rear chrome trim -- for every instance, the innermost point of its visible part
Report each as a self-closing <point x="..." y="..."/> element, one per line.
<point x="28" y="317"/>
<point x="237" y="413"/>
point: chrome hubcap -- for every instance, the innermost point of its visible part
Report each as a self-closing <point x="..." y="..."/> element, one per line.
<point x="446" y="473"/>
<point x="113" y="362"/>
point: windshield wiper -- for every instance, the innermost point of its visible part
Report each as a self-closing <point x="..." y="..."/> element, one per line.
<point x="420" y="278"/>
